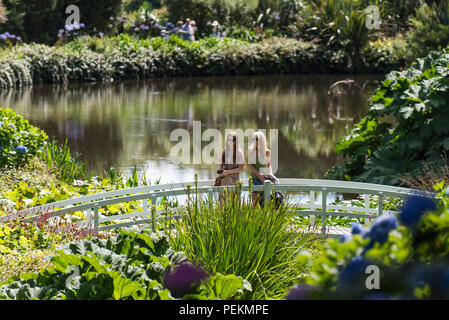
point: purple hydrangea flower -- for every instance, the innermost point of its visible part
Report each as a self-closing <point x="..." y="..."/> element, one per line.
<point x="377" y="296"/>
<point x="414" y="209"/>
<point x="301" y="292"/>
<point x="184" y="279"/>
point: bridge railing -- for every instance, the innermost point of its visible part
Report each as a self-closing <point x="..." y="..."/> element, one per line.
<point x="149" y="196"/>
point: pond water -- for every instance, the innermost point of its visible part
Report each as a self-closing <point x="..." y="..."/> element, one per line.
<point x="128" y="124"/>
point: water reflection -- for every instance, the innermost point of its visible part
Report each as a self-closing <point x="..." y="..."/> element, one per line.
<point x="129" y="123"/>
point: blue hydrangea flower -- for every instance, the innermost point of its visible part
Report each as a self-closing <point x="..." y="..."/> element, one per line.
<point x="381" y="228"/>
<point x="3" y="37"/>
<point x="345" y="238"/>
<point x="353" y="274"/>
<point x="136" y="29"/>
<point x="208" y="23"/>
<point x="438" y="279"/>
<point x="170" y="25"/>
<point x="184" y="279"/>
<point x="82" y="25"/>
<point x="414" y="209"/>
<point x="301" y="292"/>
<point x="356" y="228"/>
<point x="19" y="38"/>
<point x="22" y="149"/>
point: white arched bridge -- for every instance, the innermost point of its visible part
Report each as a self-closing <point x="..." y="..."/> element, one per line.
<point x="312" y="197"/>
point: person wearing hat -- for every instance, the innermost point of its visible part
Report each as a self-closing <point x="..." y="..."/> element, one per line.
<point x="194" y="28"/>
<point x="215" y="29"/>
<point x="164" y="34"/>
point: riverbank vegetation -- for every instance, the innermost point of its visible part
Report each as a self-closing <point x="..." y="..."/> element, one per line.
<point x="125" y="57"/>
<point x="122" y="40"/>
<point x="405" y="130"/>
<point x="235" y="252"/>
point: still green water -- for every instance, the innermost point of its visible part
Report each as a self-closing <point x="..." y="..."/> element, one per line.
<point x="128" y="124"/>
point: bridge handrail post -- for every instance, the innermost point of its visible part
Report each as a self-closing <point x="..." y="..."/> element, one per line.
<point x="366" y="206"/>
<point x="96" y="218"/>
<point x="153" y="217"/>
<point x="324" y="208"/>
<point x="266" y="193"/>
<point x="380" y="203"/>
<point x="211" y="197"/>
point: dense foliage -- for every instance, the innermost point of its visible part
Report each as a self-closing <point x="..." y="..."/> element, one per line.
<point x="2" y="13"/>
<point x="260" y="245"/>
<point x="411" y="253"/>
<point x="19" y="141"/>
<point x="40" y="20"/>
<point x="406" y="125"/>
<point x="124" y="57"/>
<point x="131" y="265"/>
<point x="430" y="28"/>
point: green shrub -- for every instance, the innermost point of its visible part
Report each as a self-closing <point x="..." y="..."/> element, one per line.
<point x="131" y="266"/>
<point x="40" y="20"/>
<point x="19" y="141"/>
<point x="430" y="29"/>
<point x="2" y="13"/>
<point x="406" y="125"/>
<point x="256" y="244"/>
<point x="411" y="254"/>
<point x="126" y="57"/>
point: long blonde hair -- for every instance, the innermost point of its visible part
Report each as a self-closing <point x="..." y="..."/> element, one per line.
<point x="259" y="149"/>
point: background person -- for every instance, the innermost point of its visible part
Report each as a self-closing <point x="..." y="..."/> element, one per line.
<point x="194" y="29"/>
<point x="215" y="29"/>
<point x="187" y="30"/>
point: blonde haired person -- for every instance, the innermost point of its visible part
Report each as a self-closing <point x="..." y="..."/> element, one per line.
<point x="259" y="162"/>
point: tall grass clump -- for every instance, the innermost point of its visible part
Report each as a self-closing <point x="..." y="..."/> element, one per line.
<point x="70" y="167"/>
<point x="260" y="245"/>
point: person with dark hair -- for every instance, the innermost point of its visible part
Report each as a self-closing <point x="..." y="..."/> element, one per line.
<point x="232" y="162"/>
<point x="188" y="31"/>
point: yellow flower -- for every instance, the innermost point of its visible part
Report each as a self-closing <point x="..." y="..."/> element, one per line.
<point x="23" y="241"/>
